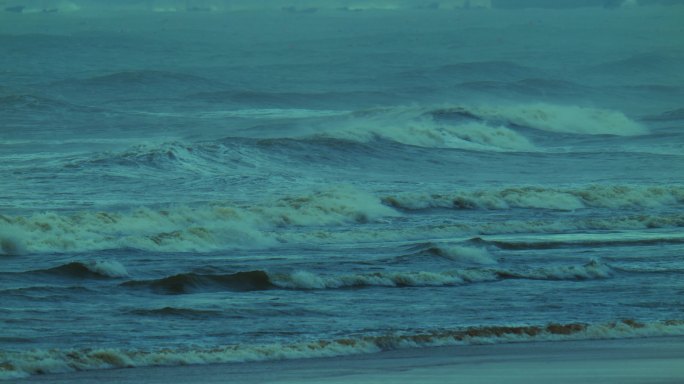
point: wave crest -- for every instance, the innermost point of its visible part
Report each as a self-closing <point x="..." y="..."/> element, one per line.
<point x="192" y="282"/>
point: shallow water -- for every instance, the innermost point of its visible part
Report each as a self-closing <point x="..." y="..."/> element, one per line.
<point x="194" y="188"/>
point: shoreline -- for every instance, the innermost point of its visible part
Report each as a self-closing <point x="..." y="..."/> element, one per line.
<point x="636" y="360"/>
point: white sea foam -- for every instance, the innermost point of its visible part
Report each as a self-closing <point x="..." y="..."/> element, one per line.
<point x="19" y="364"/>
<point x="188" y="228"/>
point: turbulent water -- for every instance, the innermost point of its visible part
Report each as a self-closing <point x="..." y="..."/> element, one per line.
<point x="198" y="188"/>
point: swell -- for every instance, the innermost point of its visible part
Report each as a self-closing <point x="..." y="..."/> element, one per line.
<point x="192" y="282"/>
<point x="98" y="269"/>
<point x="19" y="364"/>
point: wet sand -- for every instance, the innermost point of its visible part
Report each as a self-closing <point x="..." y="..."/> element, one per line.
<point x="652" y="360"/>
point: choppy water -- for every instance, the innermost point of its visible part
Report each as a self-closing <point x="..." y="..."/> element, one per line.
<point x="196" y="188"/>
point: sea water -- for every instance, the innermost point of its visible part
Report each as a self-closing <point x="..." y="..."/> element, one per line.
<point x="226" y="186"/>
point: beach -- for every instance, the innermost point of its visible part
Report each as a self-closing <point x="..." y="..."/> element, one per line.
<point x="649" y="360"/>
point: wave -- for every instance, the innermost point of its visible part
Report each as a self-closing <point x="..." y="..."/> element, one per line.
<point x="305" y="280"/>
<point x="176" y="156"/>
<point x="213" y="226"/>
<point x="553" y="118"/>
<point x="90" y="269"/>
<point x="476" y="128"/>
<point x="450" y="252"/>
<point x="566" y="199"/>
<point x="193" y="282"/>
<point x="413" y="126"/>
<point x="19" y="364"/>
<point x="186" y="283"/>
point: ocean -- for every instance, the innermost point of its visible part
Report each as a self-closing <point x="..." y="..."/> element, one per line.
<point x="213" y="187"/>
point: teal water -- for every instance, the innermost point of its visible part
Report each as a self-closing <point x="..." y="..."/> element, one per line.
<point x="229" y="186"/>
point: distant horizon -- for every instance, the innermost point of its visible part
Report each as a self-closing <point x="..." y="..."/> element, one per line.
<point x="309" y="6"/>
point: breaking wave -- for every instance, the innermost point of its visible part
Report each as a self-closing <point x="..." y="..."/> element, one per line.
<point x="90" y="269"/>
<point x="430" y="134"/>
<point x="19" y="364"/>
<point x="187" y="283"/>
<point x="188" y="228"/>
<point x="305" y="280"/>
<point x="552" y="118"/>
<point x="222" y="225"/>
<point x="478" y="128"/>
